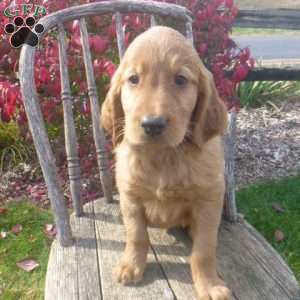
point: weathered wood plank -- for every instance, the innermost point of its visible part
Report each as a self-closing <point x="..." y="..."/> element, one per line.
<point x="230" y="210"/>
<point x="98" y="134"/>
<point x="271" y="18"/>
<point x="73" y="272"/>
<point x="248" y="264"/>
<point x="88" y="274"/>
<point x="173" y="249"/>
<point x="251" y="267"/>
<point x="61" y="278"/>
<point x="111" y="243"/>
<point x="69" y="125"/>
<point x="42" y="144"/>
<point x="173" y="254"/>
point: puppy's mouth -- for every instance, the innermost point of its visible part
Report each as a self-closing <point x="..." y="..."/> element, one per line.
<point x="164" y="140"/>
<point x="149" y="140"/>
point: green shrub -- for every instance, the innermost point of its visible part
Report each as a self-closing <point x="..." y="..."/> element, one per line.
<point x="257" y="93"/>
<point x="13" y="148"/>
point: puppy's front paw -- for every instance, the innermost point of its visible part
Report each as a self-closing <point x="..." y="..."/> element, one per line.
<point x="216" y="292"/>
<point x="129" y="273"/>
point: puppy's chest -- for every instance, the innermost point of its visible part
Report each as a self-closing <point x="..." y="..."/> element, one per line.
<point x="163" y="179"/>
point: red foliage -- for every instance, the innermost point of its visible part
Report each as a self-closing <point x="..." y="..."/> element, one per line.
<point x="212" y="25"/>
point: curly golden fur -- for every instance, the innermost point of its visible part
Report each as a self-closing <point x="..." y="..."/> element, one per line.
<point x="176" y="177"/>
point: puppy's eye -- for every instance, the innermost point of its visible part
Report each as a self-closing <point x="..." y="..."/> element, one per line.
<point x="134" y="79"/>
<point x="180" y="80"/>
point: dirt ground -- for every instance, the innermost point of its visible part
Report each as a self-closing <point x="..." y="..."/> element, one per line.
<point x="263" y="4"/>
<point x="268" y="143"/>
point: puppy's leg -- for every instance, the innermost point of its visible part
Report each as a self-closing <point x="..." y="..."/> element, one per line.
<point x="133" y="262"/>
<point x="204" y="232"/>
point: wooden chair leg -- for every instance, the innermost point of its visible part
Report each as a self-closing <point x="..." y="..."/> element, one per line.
<point x="42" y="145"/>
<point x="230" y="210"/>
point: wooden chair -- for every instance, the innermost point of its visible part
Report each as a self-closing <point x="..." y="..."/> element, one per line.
<point x="89" y="243"/>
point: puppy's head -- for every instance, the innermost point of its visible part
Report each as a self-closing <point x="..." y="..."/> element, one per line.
<point x="162" y="94"/>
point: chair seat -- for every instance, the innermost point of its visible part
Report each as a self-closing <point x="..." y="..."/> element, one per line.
<point x="249" y="265"/>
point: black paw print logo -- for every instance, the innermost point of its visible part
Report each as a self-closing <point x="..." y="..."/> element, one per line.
<point x="22" y="33"/>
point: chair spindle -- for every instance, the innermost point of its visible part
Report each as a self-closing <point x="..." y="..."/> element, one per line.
<point x="69" y="125"/>
<point x="152" y="21"/>
<point x="120" y="34"/>
<point x="98" y="133"/>
<point x="189" y="31"/>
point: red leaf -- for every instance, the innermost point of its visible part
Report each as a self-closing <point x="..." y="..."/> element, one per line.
<point x="279" y="235"/>
<point x="111" y="31"/>
<point x="5" y="48"/>
<point x="44" y="75"/>
<point x="218" y="2"/>
<point x="36" y="196"/>
<point x="229" y="3"/>
<point x="28" y="264"/>
<point x="5" y="117"/>
<point x="16" y="229"/>
<point x="203" y="49"/>
<point x="234" y="11"/>
<point x="10" y="109"/>
<point x="245" y="55"/>
<point x="21" y="118"/>
<point x="86" y="107"/>
<point x="50" y="230"/>
<point x="240" y="73"/>
<point x="98" y="66"/>
<point x="97" y="20"/>
<point x="98" y="43"/>
<point x="76" y="41"/>
<point x="3" y="210"/>
<point x="127" y="38"/>
<point x="251" y="62"/>
<point x="110" y="68"/>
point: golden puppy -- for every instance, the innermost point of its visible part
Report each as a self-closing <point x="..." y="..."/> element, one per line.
<point x="165" y="118"/>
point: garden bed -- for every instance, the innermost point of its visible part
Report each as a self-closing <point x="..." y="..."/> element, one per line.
<point x="268" y="142"/>
<point x="267" y="147"/>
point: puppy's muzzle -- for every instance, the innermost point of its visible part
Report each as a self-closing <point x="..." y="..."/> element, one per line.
<point x="153" y="125"/>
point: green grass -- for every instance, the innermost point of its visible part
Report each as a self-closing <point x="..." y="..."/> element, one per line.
<point x="31" y="242"/>
<point x="255" y="202"/>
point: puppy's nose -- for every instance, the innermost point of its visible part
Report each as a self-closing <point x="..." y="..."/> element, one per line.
<point x="153" y="125"/>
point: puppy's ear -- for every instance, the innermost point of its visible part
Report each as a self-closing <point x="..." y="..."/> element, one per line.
<point x="210" y="115"/>
<point x="112" y="114"/>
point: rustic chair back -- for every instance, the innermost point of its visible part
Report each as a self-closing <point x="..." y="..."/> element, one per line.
<point x="35" y="119"/>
